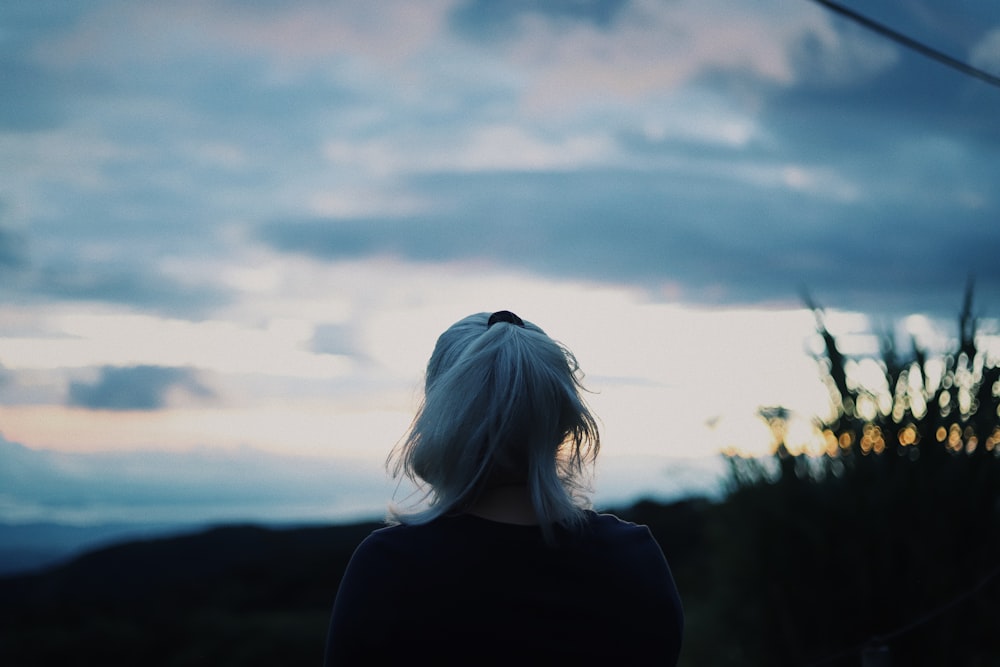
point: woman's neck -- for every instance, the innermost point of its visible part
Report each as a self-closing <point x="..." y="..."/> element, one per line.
<point x="506" y="504"/>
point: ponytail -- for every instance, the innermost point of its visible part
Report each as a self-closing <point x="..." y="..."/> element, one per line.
<point x="501" y="406"/>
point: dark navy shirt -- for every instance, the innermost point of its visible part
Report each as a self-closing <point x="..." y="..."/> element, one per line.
<point x="470" y="591"/>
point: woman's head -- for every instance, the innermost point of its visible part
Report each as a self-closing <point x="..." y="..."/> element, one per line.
<point x="502" y="406"/>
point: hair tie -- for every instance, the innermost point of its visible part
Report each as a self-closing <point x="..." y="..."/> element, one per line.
<point x="504" y="316"/>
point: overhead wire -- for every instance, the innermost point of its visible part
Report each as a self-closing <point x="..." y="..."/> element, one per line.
<point x="910" y="43"/>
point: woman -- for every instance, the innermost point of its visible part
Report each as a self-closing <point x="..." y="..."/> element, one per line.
<point x="504" y="565"/>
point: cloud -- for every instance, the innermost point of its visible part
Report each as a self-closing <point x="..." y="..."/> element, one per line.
<point x="119" y="283"/>
<point x="752" y="234"/>
<point x="986" y="53"/>
<point x="11" y="250"/>
<point x="32" y="94"/>
<point x="68" y="274"/>
<point x="501" y="147"/>
<point x="482" y="19"/>
<point x="334" y="339"/>
<point x="840" y="56"/>
<point x="135" y="388"/>
<point x="723" y="147"/>
<point x="853" y="85"/>
<point x="20" y="387"/>
<point x="612" y="52"/>
<point x="30" y="103"/>
<point x="194" y="486"/>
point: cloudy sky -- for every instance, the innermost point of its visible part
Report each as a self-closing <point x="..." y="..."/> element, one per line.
<point x="230" y="232"/>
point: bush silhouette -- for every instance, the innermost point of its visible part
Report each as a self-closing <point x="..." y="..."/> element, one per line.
<point x="889" y="540"/>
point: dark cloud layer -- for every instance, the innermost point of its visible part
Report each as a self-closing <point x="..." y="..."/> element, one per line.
<point x="127" y="285"/>
<point x="113" y="284"/>
<point x="481" y="19"/>
<point x="914" y="98"/>
<point x="867" y="174"/>
<point x="134" y="388"/>
<point x="752" y="245"/>
<point x="33" y="98"/>
<point x="11" y="250"/>
<point x="898" y="210"/>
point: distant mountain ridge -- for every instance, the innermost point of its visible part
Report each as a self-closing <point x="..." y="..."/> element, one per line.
<point x="35" y="546"/>
<point x="240" y="594"/>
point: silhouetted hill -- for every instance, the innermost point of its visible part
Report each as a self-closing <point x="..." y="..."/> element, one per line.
<point x="31" y="547"/>
<point x="230" y="595"/>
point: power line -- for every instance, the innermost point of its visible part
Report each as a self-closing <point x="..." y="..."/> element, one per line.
<point x="910" y="43"/>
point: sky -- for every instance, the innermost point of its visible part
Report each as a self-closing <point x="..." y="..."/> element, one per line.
<point x="230" y="232"/>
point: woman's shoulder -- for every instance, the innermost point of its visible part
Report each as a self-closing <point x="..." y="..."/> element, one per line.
<point x="415" y="537"/>
<point x="394" y="534"/>
<point x="610" y="526"/>
<point x="468" y="530"/>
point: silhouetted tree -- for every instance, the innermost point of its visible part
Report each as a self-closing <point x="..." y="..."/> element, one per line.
<point x="890" y="538"/>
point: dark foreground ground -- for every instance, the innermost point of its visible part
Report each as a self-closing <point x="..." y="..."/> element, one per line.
<point x="236" y="595"/>
<point x="765" y="578"/>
